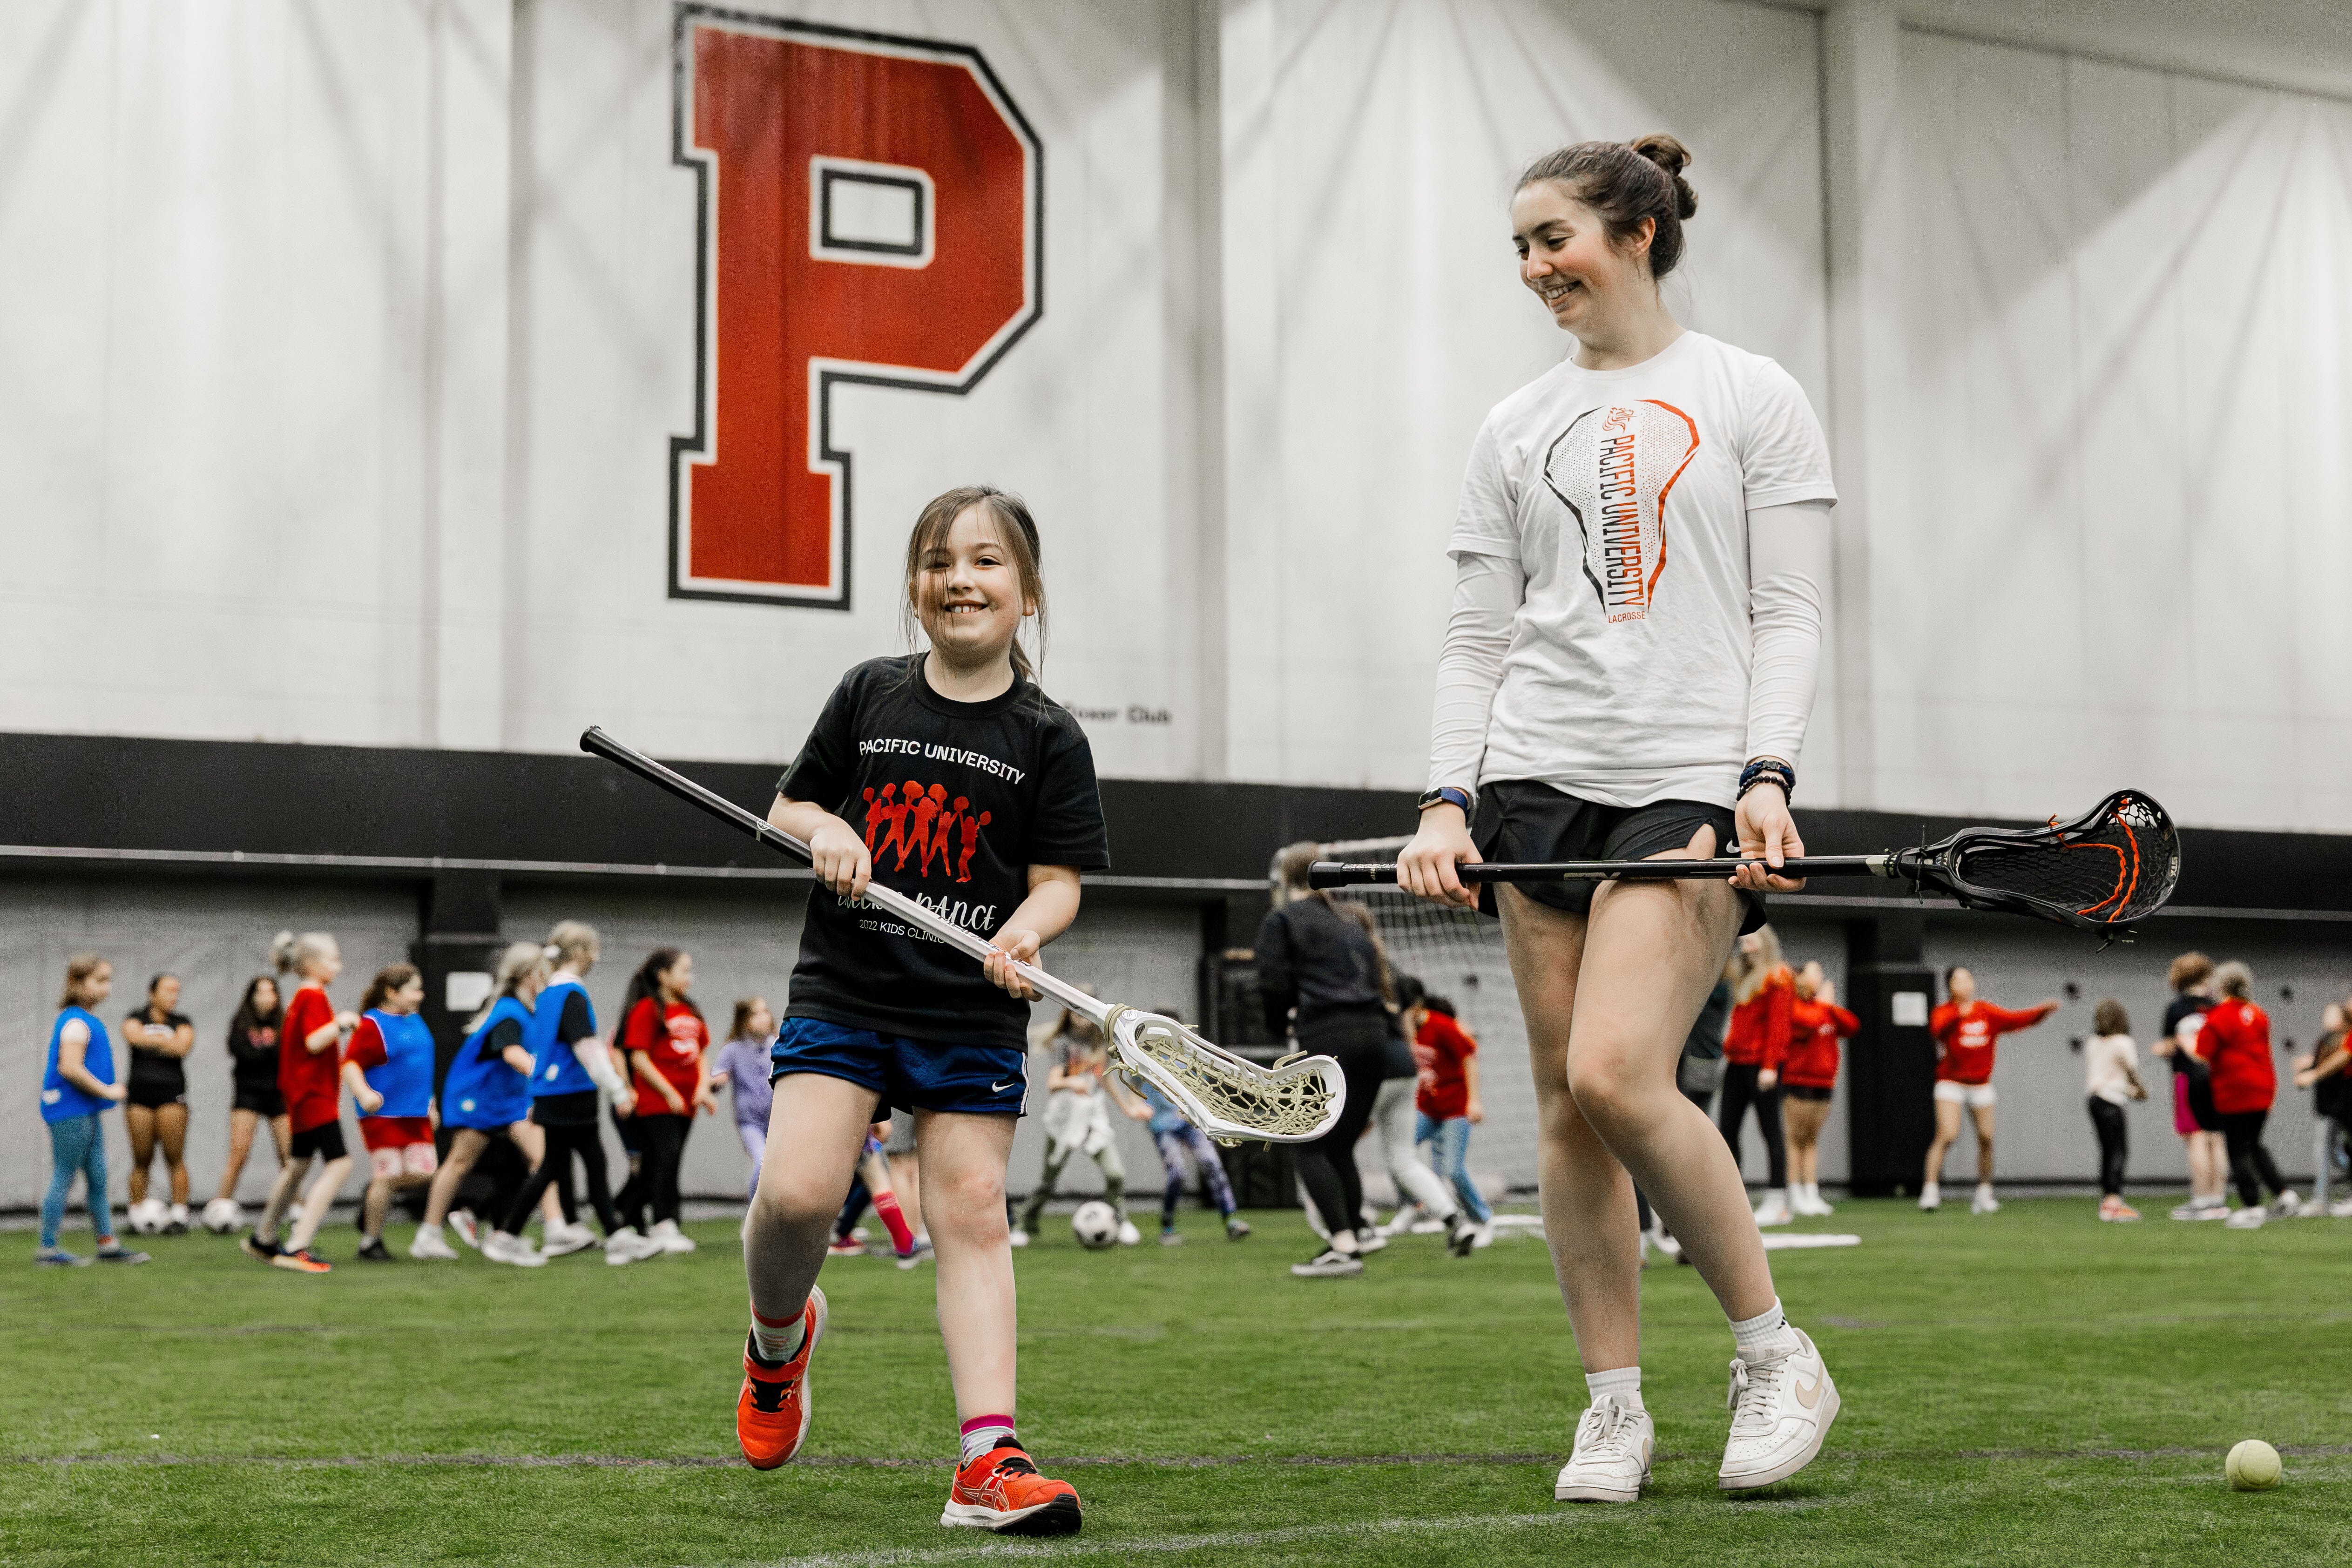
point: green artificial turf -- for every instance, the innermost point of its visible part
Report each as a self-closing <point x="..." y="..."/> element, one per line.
<point x="2026" y="1387"/>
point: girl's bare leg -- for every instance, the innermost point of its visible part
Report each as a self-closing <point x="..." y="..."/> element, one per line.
<point x="318" y="1200"/>
<point x="241" y="1125"/>
<point x="171" y="1132"/>
<point x="964" y="1157"/>
<point x="1805" y="1120"/>
<point x="465" y="1148"/>
<point x="1947" y="1132"/>
<point x="1982" y="1116"/>
<point x="138" y="1122"/>
<point x="815" y="1130"/>
<point x="281" y="1198"/>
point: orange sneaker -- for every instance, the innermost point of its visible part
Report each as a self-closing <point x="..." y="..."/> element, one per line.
<point x="771" y="1413"/>
<point x="1002" y="1492"/>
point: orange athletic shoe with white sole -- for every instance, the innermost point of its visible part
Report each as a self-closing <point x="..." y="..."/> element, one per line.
<point x="1002" y="1492"/>
<point x="771" y="1413"/>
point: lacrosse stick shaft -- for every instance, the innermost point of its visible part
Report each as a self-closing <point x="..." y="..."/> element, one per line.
<point x="1341" y="874"/>
<point x="596" y="742"/>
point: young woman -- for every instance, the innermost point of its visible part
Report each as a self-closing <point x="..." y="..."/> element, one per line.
<point x="2193" y="1116"/>
<point x="879" y="1015"/>
<point x="253" y="1073"/>
<point x="2324" y="1073"/>
<point x="1965" y="1030"/>
<point x="1078" y="1121"/>
<point x="743" y="1067"/>
<point x="1754" y="1045"/>
<point x="309" y="1075"/>
<point x="1319" y="975"/>
<point x="668" y="1047"/>
<point x="486" y="1096"/>
<point x="1597" y="698"/>
<point x="2111" y="1080"/>
<point x="2235" y="1044"/>
<point x="77" y="1087"/>
<point x="156" y="1114"/>
<point x="569" y="1068"/>
<point x="389" y="1070"/>
<point x="1809" y="1082"/>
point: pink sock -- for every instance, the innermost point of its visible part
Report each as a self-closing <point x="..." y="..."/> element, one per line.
<point x="901" y="1238"/>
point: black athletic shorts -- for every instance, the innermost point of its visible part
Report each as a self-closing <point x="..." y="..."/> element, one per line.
<point x="1806" y="1091"/>
<point x="261" y="1099"/>
<point x="326" y="1140"/>
<point x="155" y="1093"/>
<point x="1522" y="820"/>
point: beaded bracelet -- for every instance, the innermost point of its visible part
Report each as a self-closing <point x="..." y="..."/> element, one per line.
<point x="1769" y="770"/>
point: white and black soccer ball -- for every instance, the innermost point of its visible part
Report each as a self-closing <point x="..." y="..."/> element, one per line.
<point x="223" y="1217"/>
<point x="149" y="1216"/>
<point x="1096" y="1225"/>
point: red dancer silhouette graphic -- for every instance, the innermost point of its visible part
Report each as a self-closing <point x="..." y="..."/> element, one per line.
<point x="922" y="810"/>
<point x="970" y="845"/>
<point x="940" y="836"/>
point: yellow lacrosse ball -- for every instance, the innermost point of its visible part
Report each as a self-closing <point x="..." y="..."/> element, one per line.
<point x="2252" y="1466"/>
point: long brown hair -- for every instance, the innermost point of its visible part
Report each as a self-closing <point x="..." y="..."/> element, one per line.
<point x="1753" y="969"/>
<point x="392" y="977"/>
<point x="1016" y="531"/>
<point x="744" y="1007"/>
<point x="78" y="969"/>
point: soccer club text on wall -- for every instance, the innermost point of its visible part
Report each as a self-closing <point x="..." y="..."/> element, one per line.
<point x="870" y="210"/>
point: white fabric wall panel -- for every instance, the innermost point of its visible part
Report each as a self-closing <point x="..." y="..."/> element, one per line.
<point x="1375" y="312"/>
<point x="2130" y="494"/>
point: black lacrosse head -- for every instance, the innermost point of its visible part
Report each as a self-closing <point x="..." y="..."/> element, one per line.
<point x="2111" y="866"/>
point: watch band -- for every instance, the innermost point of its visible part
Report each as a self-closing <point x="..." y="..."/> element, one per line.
<point x="1446" y="794"/>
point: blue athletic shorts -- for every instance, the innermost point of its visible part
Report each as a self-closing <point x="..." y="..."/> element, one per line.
<point x="908" y="1075"/>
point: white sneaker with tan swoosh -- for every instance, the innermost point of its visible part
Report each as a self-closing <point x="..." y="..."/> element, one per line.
<point x="1782" y="1403"/>
<point x="1611" y="1461"/>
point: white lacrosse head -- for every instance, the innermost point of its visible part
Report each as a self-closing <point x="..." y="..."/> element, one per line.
<point x="1228" y="1096"/>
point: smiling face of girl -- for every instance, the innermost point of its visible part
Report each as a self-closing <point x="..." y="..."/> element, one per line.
<point x="1566" y="259"/>
<point x="967" y="592"/>
<point x="408" y="998"/>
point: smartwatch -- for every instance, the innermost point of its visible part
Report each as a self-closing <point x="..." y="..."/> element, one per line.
<point x="1459" y="797"/>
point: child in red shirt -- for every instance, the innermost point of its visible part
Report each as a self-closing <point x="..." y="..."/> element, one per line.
<point x="669" y="1048"/>
<point x="1447" y="1100"/>
<point x="1809" y="1078"/>
<point x="1965" y="1029"/>
<point x="310" y="1077"/>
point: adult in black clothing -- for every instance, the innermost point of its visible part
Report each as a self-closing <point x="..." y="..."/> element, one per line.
<point x="1319" y="976"/>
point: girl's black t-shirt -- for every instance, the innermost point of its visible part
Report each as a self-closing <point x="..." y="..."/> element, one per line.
<point x="150" y="1067"/>
<point x="957" y="801"/>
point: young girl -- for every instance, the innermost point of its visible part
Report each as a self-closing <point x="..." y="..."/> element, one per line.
<point x="486" y="1095"/>
<point x="743" y="1067"/>
<point x="309" y="1075"/>
<point x="568" y="1066"/>
<point x="1965" y="1030"/>
<point x="873" y="1185"/>
<point x="389" y="1070"/>
<point x="253" y="1070"/>
<point x="77" y="1086"/>
<point x="1447" y="1106"/>
<point x="668" y="1042"/>
<point x="1598" y="695"/>
<point x="2235" y="1044"/>
<point x="879" y="1015"/>
<point x="1176" y="1138"/>
<point x="2324" y="1073"/>
<point x="1754" y="1047"/>
<point x="2111" y="1081"/>
<point x="156" y="1114"/>
<point x="2199" y="1125"/>
<point x="1809" y="1082"/>
<point x="1078" y="1121"/>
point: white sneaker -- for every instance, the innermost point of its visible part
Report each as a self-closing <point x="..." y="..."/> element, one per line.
<point x="1128" y="1235"/>
<point x="2340" y="1209"/>
<point x="563" y="1240"/>
<point x="1774" y="1209"/>
<point x="1809" y="1204"/>
<point x="1782" y="1403"/>
<point x="1984" y="1202"/>
<point x="2203" y="1208"/>
<point x="430" y="1245"/>
<point x="1369" y="1241"/>
<point x="462" y="1222"/>
<point x="625" y="1246"/>
<point x="500" y="1248"/>
<point x="1931" y="1198"/>
<point x="2313" y="1208"/>
<point x="2248" y="1219"/>
<point x="1611" y="1462"/>
<point x="1402" y="1220"/>
<point x="666" y="1238"/>
<point x="1483" y="1237"/>
<point x="1427" y="1224"/>
<point x="2284" y="1205"/>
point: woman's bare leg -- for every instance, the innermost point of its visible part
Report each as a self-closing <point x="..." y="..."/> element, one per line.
<point x="964" y="1156"/>
<point x="171" y="1133"/>
<point x="241" y="1125"/>
<point x="1982" y="1116"/>
<point x="1805" y="1120"/>
<point x="138" y="1122"/>
<point x="1947" y="1132"/>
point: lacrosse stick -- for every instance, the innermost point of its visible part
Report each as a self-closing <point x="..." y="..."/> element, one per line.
<point x="2117" y="863"/>
<point x="1228" y="1096"/>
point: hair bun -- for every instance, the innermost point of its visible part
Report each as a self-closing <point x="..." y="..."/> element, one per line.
<point x="281" y="951"/>
<point x="1668" y="153"/>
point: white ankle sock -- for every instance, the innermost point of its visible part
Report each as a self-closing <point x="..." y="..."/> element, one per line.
<point x="1625" y="1381"/>
<point x="1774" y="1195"/>
<point x="779" y="1341"/>
<point x="424" y="1230"/>
<point x="1766" y="1331"/>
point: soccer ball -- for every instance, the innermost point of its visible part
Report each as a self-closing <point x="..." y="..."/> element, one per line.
<point x="149" y="1216"/>
<point x="1096" y="1225"/>
<point x="223" y="1217"/>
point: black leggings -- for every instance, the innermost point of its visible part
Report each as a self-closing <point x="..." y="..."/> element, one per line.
<point x="1327" y="1167"/>
<point x="2107" y="1117"/>
<point x="661" y="1150"/>
<point x="565" y="1140"/>
<point x="1739" y="1092"/>
<point x="2249" y="1161"/>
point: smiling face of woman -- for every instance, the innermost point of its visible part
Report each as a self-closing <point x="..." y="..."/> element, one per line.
<point x="1566" y="258"/>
